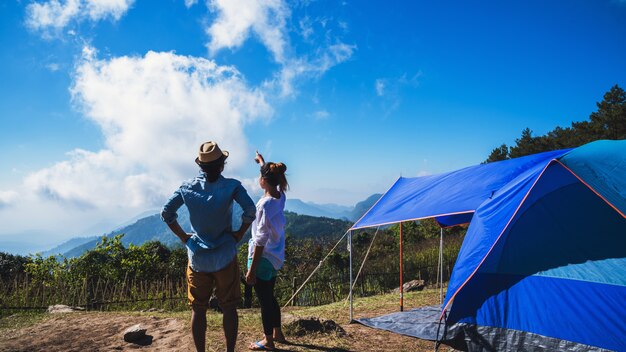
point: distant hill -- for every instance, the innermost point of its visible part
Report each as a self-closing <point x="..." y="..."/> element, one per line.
<point x="149" y="228"/>
<point x="69" y="245"/>
<point x="331" y="222"/>
<point x="327" y="210"/>
<point x="361" y="207"/>
<point x="334" y="211"/>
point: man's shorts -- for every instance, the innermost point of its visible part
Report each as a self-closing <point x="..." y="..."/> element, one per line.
<point x="226" y="283"/>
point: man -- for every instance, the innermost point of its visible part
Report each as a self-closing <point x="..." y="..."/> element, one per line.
<point x="211" y="248"/>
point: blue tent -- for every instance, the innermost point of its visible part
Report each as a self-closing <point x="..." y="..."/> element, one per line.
<point x="543" y="263"/>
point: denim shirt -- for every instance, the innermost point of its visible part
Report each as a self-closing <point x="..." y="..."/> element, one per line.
<point x="212" y="246"/>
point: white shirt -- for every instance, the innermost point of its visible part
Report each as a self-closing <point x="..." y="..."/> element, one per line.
<point x="268" y="230"/>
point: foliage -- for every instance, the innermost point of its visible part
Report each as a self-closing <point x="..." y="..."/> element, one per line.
<point x="109" y="272"/>
<point x="608" y="122"/>
<point x="380" y="271"/>
<point x="11" y="266"/>
<point x="154" y="274"/>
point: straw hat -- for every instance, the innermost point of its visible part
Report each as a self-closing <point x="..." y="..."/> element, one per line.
<point x="209" y="151"/>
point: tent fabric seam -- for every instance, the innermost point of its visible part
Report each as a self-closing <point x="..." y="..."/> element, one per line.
<point x="413" y="219"/>
<point x="592" y="189"/>
<point x="579" y="280"/>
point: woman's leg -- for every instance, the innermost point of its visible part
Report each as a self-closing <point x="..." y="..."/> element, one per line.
<point x="265" y="292"/>
<point x="274" y="312"/>
<point x="277" y="332"/>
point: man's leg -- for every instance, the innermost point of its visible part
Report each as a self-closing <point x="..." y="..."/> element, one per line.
<point x="228" y="294"/>
<point x="230" y="320"/>
<point x="198" y="327"/>
<point x="199" y="288"/>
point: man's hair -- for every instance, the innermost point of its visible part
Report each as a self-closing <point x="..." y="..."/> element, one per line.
<point x="213" y="169"/>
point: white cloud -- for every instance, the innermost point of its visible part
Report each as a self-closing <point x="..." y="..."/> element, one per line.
<point x="252" y="186"/>
<point x="412" y="81"/>
<point x="380" y="87"/>
<point x="53" y="67"/>
<point x="321" y="115"/>
<point x="51" y="14"/>
<point x="99" y="9"/>
<point x="153" y="111"/>
<point x="267" y="20"/>
<point x="306" y="28"/>
<point x="7" y="198"/>
<point x="391" y="89"/>
<point x="55" y="15"/>
<point x="236" y="20"/>
<point x="310" y="67"/>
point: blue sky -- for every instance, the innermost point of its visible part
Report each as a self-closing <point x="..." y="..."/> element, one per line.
<point x="104" y="102"/>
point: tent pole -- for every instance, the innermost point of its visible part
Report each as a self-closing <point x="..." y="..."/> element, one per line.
<point x="441" y="266"/>
<point x="350" y="250"/>
<point x="401" y="283"/>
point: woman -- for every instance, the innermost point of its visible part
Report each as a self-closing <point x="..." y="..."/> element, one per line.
<point x="266" y="249"/>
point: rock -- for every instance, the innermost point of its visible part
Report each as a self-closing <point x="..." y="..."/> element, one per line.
<point x="151" y="310"/>
<point x="134" y="333"/>
<point x="414" y="285"/>
<point x="61" y="308"/>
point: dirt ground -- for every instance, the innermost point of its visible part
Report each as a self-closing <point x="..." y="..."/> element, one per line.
<point x="103" y="332"/>
<point x="170" y="331"/>
<point x="97" y="332"/>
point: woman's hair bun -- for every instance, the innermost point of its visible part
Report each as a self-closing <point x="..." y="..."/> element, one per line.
<point x="274" y="173"/>
<point x="281" y="168"/>
<point x="278" y="168"/>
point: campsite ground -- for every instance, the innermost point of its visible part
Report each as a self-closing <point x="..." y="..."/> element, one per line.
<point x="169" y="331"/>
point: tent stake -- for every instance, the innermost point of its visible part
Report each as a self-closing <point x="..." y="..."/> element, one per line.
<point x="401" y="283"/>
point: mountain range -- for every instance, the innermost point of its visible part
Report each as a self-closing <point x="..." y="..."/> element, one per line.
<point x="304" y="219"/>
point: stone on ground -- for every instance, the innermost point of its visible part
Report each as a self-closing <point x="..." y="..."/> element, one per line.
<point x="134" y="333"/>
<point x="61" y="308"/>
<point x="413" y="285"/>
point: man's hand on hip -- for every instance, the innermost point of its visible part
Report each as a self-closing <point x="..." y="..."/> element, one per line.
<point x="178" y="231"/>
<point x="238" y="235"/>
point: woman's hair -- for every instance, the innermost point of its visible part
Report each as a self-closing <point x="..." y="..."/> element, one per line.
<point x="213" y="169"/>
<point x="274" y="174"/>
